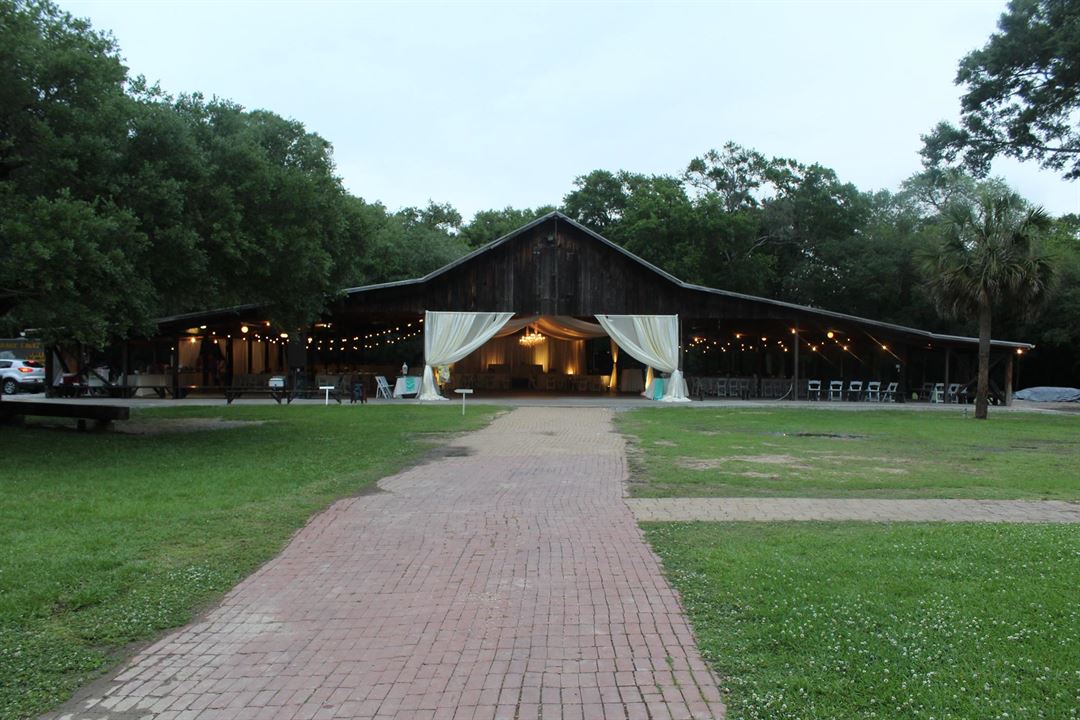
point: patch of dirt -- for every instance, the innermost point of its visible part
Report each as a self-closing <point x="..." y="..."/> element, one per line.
<point x="454" y="451"/>
<point x="834" y="436"/>
<point x="787" y="461"/>
<point x="764" y="476"/>
<point x="700" y="463"/>
<point x="891" y="471"/>
<point x="664" y="443"/>
<point x="835" y="458"/>
<point x="440" y="446"/>
<point x="831" y="436"/>
<point x="181" y="425"/>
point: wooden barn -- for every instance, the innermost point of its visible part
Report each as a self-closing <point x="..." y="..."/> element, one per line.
<point x="556" y="281"/>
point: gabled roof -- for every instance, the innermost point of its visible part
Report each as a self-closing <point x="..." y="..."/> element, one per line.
<point x="560" y="217"/>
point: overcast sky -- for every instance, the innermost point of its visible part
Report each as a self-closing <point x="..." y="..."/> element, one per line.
<point x="485" y="105"/>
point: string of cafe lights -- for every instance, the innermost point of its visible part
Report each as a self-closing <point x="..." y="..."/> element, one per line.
<point x="744" y="343"/>
<point x="381" y="338"/>
<point x="741" y="343"/>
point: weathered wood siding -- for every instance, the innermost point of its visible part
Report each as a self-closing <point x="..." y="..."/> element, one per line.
<point x="556" y="269"/>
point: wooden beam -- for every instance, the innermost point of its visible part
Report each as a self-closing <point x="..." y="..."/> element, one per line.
<point x="904" y="392"/>
<point x="125" y="349"/>
<point x="1009" y="379"/>
<point x="795" y="370"/>
<point x="175" y="363"/>
<point x="948" y="362"/>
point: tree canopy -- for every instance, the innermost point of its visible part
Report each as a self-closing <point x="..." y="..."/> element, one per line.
<point x="119" y="203"/>
<point x="1023" y="93"/>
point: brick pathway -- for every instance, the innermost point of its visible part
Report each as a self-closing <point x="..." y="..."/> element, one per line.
<point x="773" y="509"/>
<point x="511" y="582"/>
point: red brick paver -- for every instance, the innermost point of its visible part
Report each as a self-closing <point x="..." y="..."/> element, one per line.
<point x="508" y="582"/>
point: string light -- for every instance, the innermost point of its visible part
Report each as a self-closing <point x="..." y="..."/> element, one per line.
<point x="381" y="338"/>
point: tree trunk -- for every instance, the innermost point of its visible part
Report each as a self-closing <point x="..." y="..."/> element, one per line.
<point x="982" y="391"/>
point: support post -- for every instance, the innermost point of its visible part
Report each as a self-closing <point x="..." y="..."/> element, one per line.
<point x="229" y="360"/>
<point x="682" y="360"/>
<point x="948" y="363"/>
<point x="50" y="370"/>
<point x="902" y="395"/>
<point x="125" y="350"/>
<point x="1009" y="378"/>
<point x="795" y="370"/>
<point x="174" y="362"/>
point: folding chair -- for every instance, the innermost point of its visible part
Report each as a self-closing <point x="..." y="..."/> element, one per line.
<point x="813" y="389"/>
<point x="382" y="388"/>
<point x="873" y="391"/>
<point x="952" y="395"/>
<point x="854" y="390"/>
<point x="938" y="393"/>
<point x="890" y="392"/>
<point x="836" y="389"/>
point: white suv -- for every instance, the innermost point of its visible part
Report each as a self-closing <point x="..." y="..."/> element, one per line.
<point x="18" y="375"/>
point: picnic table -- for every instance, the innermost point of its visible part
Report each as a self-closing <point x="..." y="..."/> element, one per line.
<point x="102" y="415"/>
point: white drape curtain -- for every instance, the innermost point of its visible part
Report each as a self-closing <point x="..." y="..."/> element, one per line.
<point x="564" y="327"/>
<point x="654" y="341"/>
<point x="560" y="327"/>
<point x="515" y="324"/>
<point x="450" y="336"/>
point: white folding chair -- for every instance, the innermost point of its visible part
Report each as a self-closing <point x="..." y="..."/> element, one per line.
<point x="836" y="389"/>
<point x="938" y="393"/>
<point x="873" y="391"/>
<point x="813" y="389"/>
<point x="382" y="388"/>
<point x="854" y="390"/>
<point x="890" y="392"/>
<point x="952" y="395"/>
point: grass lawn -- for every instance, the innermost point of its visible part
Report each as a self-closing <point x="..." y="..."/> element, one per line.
<point x="853" y="620"/>
<point x="111" y="538"/>
<point x="782" y="452"/>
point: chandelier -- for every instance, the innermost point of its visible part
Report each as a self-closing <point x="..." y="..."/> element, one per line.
<point x="531" y="338"/>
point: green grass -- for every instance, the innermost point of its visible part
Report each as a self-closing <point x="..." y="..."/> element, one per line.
<point x="694" y="452"/>
<point x="883" y="621"/>
<point x="110" y="538"/>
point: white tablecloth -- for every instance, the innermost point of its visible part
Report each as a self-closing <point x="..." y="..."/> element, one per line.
<point x="408" y="385"/>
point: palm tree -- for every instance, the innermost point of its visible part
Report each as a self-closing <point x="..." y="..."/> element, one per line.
<point x="988" y="257"/>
